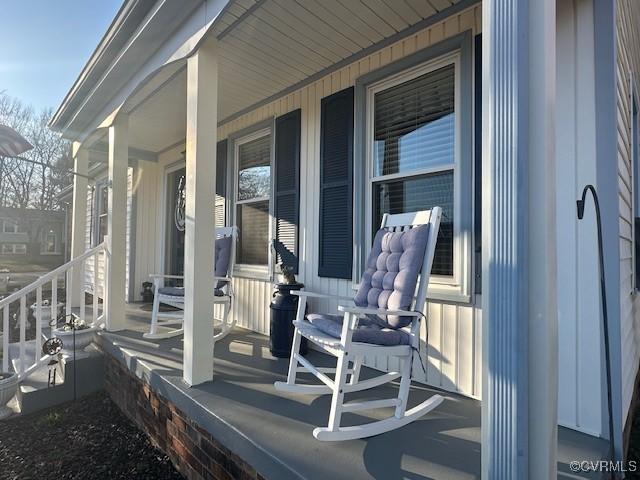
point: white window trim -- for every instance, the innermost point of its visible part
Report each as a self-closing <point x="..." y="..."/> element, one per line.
<point x="43" y="244"/>
<point x="97" y="206"/>
<point x="6" y="222"/>
<point x="164" y="212"/>
<point x="455" y="288"/>
<point x="13" y="249"/>
<point x="259" y="272"/>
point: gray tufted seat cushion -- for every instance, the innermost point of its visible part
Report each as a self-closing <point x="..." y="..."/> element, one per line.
<point x="391" y="274"/>
<point x="368" y="331"/>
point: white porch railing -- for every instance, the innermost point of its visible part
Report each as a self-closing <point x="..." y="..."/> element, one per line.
<point x="18" y="304"/>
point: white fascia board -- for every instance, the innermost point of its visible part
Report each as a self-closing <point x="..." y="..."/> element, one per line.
<point x="181" y="44"/>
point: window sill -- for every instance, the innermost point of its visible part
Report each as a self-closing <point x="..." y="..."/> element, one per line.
<point x="443" y="293"/>
<point x="50" y="253"/>
<point x="438" y="295"/>
<point x="253" y="272"/>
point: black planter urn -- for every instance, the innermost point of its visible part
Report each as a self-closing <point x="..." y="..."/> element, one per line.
<point x="283" y="312"/>
<point x="147" y="292"/>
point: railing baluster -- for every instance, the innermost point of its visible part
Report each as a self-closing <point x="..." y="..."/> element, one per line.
<point x="106" y="262"/>
<point x="54" y="303"/>
<point x="5" y="338"/>
<point x="68" y="287"/>
<point x="38" y="323"/>
<point x="96" y="257"/>
<point x="23" y="332"/>
<point x="80" y="288"/>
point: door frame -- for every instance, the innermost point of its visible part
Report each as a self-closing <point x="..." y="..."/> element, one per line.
<point x="168" y="170"/>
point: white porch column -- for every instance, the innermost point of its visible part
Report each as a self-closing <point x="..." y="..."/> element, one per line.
<point x="116" y="223"/>
<point x="519" y="407"/>
<point x="79" y="218"/>
<point x="202" y="120"/>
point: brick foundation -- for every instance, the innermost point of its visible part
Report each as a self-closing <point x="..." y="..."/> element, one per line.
<point x="193" y="451"/>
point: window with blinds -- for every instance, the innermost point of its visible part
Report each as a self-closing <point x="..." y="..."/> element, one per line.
<point x="221" y="184"/>
<point x="413" y="153"/>
<point x="252" y="200"/>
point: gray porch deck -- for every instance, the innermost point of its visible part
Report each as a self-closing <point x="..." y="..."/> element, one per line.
<point x="272" y="431"/>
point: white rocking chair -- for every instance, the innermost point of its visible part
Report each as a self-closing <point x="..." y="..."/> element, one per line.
<point x="350" y="353"/>
<point x="174" y="296"/>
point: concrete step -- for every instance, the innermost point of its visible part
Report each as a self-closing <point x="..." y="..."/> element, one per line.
<point x="41" y="378"/>
<point x="73" y="379"/>
<point x="29" y="357"/>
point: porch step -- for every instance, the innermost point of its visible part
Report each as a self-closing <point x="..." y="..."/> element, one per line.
<point x="35" y="393"/>
<point x="14" y="354"/>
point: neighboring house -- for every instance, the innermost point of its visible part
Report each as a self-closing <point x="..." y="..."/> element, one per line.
<point x="32" y="237"/>
<point x="316" y="118"/>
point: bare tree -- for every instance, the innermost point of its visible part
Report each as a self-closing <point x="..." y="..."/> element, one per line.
<point x="29" y="185"/>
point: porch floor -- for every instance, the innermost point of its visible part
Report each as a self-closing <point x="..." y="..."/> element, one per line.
<point x="272" y="431"/>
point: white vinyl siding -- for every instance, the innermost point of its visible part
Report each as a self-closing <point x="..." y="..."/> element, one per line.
<point x="628" y="77"/>
<point x="149" y="221"/>
<point x="580" y="389"/>
<point x="91" y="235"/>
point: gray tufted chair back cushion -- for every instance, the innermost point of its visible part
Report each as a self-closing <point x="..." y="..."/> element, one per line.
<point x="222" y="258"/>
<point x="391" y="274"/>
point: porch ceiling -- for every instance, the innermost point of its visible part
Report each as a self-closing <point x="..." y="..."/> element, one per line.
<point x="273" y="46"/>
<point x="279" y="43"/>
<point x="160" y="121"/>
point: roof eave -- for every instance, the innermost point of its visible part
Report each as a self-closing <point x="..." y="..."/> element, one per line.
<point x="58" y="121"/>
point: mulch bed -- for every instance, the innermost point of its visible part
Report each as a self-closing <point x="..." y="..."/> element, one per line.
<point x="86" y="439"/>
<point x="634" y="444"/>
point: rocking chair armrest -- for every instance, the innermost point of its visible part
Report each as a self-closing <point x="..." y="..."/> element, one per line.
<point x="305" y="293"/>
<point x="377" y="311"/>
<point x="223" y="279"/>
<point x="181" y="277"/>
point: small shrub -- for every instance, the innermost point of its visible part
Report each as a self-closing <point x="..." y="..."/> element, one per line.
<point x="51" y="419"/>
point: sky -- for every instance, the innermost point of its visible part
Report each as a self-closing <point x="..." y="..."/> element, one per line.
<point x="45" y="43"/>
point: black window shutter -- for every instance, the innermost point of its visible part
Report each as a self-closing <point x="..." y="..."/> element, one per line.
<point x="336" y="185"/>
<point x="287" y="188"/>
<point x="477" y="221"/>
<point x="221" y="168"/>
<point x="221" y="180"/>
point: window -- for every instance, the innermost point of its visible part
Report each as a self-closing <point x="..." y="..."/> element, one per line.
<point x="49" y="242"/>
<point x="221" y="184"/>
<point x="253" y="194"/>
<point x="101" y="206"/>
<point x="413" y="150"/>
<point x="14" y="249"/>
<point x="9" y="226"/>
